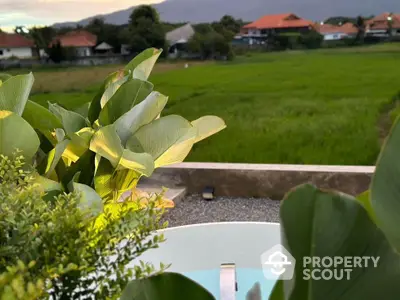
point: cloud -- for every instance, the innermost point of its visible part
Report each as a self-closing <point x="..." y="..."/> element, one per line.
<point x="37" y="12"/>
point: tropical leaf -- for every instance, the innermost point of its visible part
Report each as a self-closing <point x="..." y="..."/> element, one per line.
<point x="385" y="187"/>
<point x="84" y="166"/>
<point x="71" y="121"/>
<point x="168" y="140"/>
<point x="54" y="157"/>
<point x="83" y="110"/>
<point x="365" y="200"/>
<point x="321" y="224"/>
<point x="4" y="77"/>
<point x="95" y="104"/>
<point x="130" y="93"/>
<point x="50" y="188"/>
<point x="79" y="144"/>
<point x="103" y="180"/>
<point x="16" y="133"/>
<point x="111" y="89"/>
<point x="14" y="93"/>
<point x="207" y="126"/>
<point x="89" y="199"/>
<point x="142" y="65"/>
<point x="106" y="143"/>
<point x="166" y="286"/>
<point x="141" y="114"/>
<point x="40" y="118"/>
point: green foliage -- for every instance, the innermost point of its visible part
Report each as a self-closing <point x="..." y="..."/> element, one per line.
<point x="145" y="29"/>
<point x="57" y="53"/>
<point x="68" y="256"/>
<point x="209" y="46"/>
<point x="167" y="286"/>
<point x="108" y="33"/>
<point x="311" y="40"/>
<point x="15" y="284"/>
<point x="318" y="236"/>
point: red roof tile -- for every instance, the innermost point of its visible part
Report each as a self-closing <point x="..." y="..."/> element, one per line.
<point x="279" y="21"/>
<point x="77" y="38"/>
<point x="14" y="40"/>
<point x="381" y="22"/>
<point x="348" y="28"/>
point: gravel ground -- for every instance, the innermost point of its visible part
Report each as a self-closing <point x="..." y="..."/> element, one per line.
<point x="193" y="210"/>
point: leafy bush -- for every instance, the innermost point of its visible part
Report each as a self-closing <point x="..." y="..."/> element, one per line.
<point x="311" y="40"/>
<point x="68" y="256"/>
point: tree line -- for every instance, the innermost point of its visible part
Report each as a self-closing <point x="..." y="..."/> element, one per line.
<point x="144" y="30"/>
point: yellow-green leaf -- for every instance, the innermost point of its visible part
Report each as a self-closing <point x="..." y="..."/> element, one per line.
<point x="16" y="133"/>
<point x="207" y="126"/>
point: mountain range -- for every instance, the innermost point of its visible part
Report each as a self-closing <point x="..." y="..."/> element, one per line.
<point x="197" y="11"/>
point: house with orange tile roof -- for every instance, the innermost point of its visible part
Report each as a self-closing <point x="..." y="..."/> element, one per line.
<point x="381" y="25"/>
<point x="15" y="45"/>
<point x="334" y="32"/>
<point x="276" y="24"/>
<point x="82" y="41"/>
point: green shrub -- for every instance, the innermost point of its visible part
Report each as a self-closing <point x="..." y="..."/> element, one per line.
<point x="66" y="253"/>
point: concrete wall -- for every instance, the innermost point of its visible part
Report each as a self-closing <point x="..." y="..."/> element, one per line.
<point x="18" y="52"/>
<point x="260" y="180"/>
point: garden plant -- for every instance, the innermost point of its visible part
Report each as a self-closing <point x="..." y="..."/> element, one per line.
<point x="66" y="232"/>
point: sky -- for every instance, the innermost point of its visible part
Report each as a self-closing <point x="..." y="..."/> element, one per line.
<point x="47" y="12"/>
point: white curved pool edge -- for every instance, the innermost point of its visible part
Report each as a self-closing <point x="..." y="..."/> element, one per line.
<point x="215" y="223"/>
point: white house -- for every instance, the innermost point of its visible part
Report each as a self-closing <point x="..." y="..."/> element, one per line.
<point x="178" y="38"/>
<point x="15" y="45"/>
<point x="82" y="41"/>
<point x="334" y="33"/>
<point x="380" y="26"/>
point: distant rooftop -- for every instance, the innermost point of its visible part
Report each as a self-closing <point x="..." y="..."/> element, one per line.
<point x="288" y="20"/>
<point x="181" y="34"/>
<point x="76" y="38"/>
<point x="14" y="40"/>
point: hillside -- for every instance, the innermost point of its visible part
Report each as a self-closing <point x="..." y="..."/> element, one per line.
<point x="210" y="10"/>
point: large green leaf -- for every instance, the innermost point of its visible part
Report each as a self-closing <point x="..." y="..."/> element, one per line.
<point x="54" y="157"/>
<point x="89" y="199"/>
<point x="365" y="200"/>
<point x="321" y="224"/>
<point x="79" y="144"/>
<point x="111" y="89"/>
<point x="4" y="77"/>
<point x="207" y="126"/>
<point x="106" y="143"/>
<point x="14" y="93"/>
<point x="16" y="133"/>
<point x="40" y="118"/>
<point x="129" y="94"/>
<point x="71" y="121"/>
<point x="142" y="65"/>
<point x="168" y="140"/>
<point x="95" y="104"/>
<point x="85" y="166"/>
<point x="167" y="286"/>
<point x="385" y="187"/>
<point x="103" y="180"/>
<point x="141" y="114"/>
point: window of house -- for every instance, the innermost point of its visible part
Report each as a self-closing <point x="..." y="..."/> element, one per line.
<point x="1" y="52"/>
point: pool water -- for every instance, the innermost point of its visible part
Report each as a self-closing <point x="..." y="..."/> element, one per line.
<point x="246" y="278"/>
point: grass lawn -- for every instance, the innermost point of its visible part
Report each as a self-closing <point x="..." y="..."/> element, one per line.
<point x="316" y="107"/>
